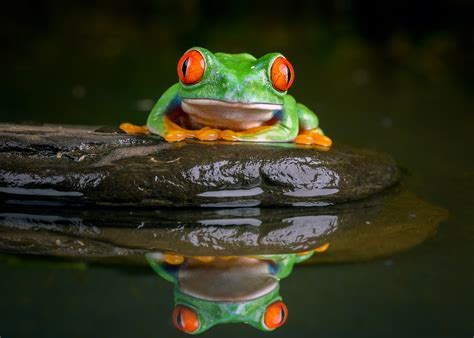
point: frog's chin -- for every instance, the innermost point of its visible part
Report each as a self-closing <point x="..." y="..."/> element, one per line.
<point x="229" y="115"/>
<point x="234" y="280"/>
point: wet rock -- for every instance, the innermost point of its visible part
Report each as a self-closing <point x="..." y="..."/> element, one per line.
<point x="104" y="167"/>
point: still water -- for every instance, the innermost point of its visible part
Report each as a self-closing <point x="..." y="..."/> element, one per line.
<point x="414" y="108"/>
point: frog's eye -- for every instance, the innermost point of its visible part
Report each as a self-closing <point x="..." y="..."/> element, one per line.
<point x="185" y="319"/>
<point x="275" y="315"/>
<point x="191" y="67"/>
<point x="282" y="74"/>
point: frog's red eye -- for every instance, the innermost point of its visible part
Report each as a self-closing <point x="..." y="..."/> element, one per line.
<point x="275" y="315"/>
<point x="282" y="74"/>
<point x="191" y="67"/>
<point x="185" y="319"/>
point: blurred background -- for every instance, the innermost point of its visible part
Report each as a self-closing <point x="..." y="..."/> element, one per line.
<point x="103" y="62"/>
<point x="396" y="76"/>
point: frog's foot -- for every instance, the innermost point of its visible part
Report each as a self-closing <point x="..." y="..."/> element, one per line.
<point x="230" y="135"/>
<point x="304" y="253"/>
<point x="204" y="134"/>
<point x="175" y="136"/>
<point x="132" y="129"/>
<point x="205" y="259"/>
<point x="173" y="259"/>
<point x="322" y="248"/>
<point x="319" y="249"/>
<point x="207" y="134"/>
<point x="175" y="133"/>
<point x="313" y="136"/>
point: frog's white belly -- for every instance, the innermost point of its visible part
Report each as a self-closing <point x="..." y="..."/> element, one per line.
<point x="228" y="115"/>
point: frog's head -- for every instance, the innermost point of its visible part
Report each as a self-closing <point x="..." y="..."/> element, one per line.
<point x="234" y="78"/>
<point x="227" y="290"/>
<point x="210" y="290"/>
<point x="233" y="87"/>
<point x="195" y="315"/>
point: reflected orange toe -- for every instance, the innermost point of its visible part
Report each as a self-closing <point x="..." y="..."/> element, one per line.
<point x="132" y="129"/>
<point x="303" y="253"/>
<point x="226" y="258"/>
<point x="175" y="136"/>
<point x="322" y="248"/>
<point x="205" y="259"/>
<point x="173" y="259"/>
<point x="208" y="134"/>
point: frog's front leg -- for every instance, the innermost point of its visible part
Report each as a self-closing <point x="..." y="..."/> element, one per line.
<point x="159" y="121"/>
<point x="162" y="265"/>
<point x="133" y="129"/>
<point x="285" y="130"/>
<point x="310" y="133"/>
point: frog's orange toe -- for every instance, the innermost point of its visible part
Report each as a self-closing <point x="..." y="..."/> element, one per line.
<point x="207" y="134"/>
<point x="321" y="140"/>
<point x="205" y="259"/>
<point x="304" y="139"/>
<point x="227" y="258"/>
<point x="173" y="259"/>
<point x="175" y="136"/>
<point x="229" y="135"/>
<point x="322" y="248"/>
<point x="303" y="253"/>
<point x="133" y="129"/>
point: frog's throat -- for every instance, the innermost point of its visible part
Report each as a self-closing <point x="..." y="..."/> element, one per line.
<point x="234" y="280"/>
<point x="236" y="116"/>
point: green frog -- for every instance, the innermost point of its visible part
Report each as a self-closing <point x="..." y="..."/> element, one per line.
<point x="211" y="290"/>
<point x="232" y="97"/>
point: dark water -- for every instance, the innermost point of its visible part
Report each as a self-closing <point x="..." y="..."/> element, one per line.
<point x="407" y="92"/>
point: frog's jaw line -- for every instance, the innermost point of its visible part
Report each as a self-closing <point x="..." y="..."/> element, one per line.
<point x="228" y="115"/>
<point x="235" y="105"/>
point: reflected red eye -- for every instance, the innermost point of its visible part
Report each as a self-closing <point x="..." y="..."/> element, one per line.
<point x="185" y="319"/>
<point x="191" y="67"/>
<point x="275" y="315"/>
<point x="282" y="74"/>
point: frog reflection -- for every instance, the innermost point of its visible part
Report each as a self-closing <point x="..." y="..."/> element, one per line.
<point x="239" y="289"/>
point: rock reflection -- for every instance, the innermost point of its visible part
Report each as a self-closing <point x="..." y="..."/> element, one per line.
<point x="211" y="290"/>
<point x="363" y="230"/>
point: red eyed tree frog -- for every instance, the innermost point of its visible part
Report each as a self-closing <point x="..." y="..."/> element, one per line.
<point x="233" y="97"/>
<point x="240" y="289"/>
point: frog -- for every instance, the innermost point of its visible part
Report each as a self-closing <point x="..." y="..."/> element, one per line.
<point x="211" y="290"/>
<point x="232" y="97"/>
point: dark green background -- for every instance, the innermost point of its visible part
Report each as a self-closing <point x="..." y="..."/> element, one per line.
<point x="395" y="76"/>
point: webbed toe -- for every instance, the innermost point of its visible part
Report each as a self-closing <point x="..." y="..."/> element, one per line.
<point x="132" y="129"/>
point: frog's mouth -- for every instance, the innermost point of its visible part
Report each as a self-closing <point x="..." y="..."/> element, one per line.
<point x="235" y="116"/>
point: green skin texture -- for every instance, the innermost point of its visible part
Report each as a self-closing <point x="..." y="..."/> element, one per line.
<point x="238" y="78"/>
<point x="250" y="312"/>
